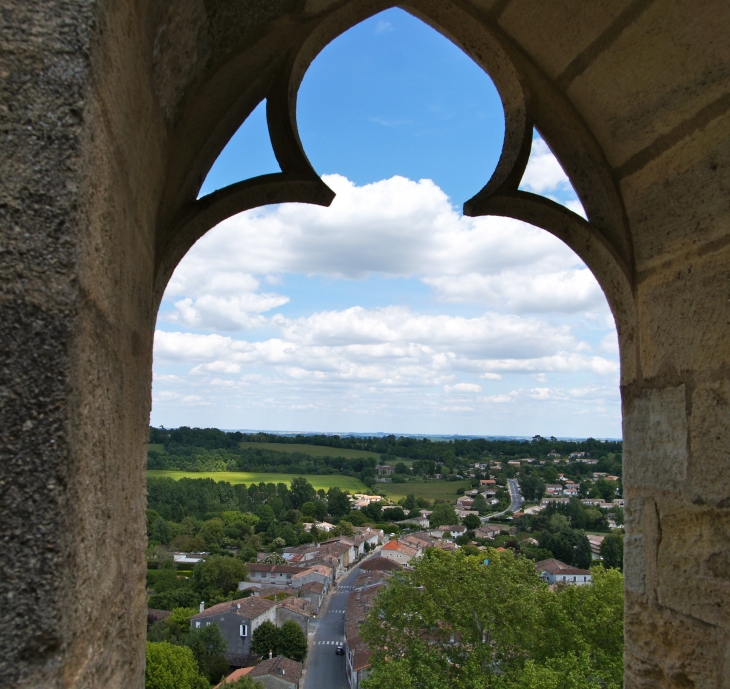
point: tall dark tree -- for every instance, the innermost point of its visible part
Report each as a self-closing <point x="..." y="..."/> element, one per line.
<point x="292" y="641"/>
<point x="612" y="551"/>
<point x="265" y="639"/>
<point x="532" y="488"/>
<point x="471" y="522"/>
<point x="301" y="491"/>
<point x="338" y="504"/>
<point x="208" y="647"/>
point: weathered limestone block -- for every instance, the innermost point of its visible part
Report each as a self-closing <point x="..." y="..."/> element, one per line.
<point x="655" y="452"/>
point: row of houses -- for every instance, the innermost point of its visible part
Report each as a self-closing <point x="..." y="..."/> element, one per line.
<point x="359" y="603"/>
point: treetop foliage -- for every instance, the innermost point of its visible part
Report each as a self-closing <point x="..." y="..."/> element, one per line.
<point x="456" y="621"/>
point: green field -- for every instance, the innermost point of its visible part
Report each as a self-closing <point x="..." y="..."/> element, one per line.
<point x="316" y="450"/>
<point x="345" y="482"/>
<point x="431" y="490"/>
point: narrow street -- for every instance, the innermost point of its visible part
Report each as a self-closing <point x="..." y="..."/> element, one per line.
<point x="516" y="499"/>
<point x="325" y="669"/>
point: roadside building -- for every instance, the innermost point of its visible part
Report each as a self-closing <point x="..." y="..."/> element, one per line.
<point x="399" y="552"/>
<point x="453" y="531"/>
<point x="278" y="673"/>
<point x="297" y="609"/>
<point x="380" y="564"/>
<point x="320" y="574"/>
<point x="279" y="575"/>
<point x="548" y="501"/>
<point x="237" y="621"/>
<point x="314" y="592"/>
<point x="488" y="531"/>
<point x="357" y="653"/>
<point x="595" y="542"/>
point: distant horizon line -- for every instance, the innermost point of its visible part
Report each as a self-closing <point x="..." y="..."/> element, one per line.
<point x="382" y="434"/>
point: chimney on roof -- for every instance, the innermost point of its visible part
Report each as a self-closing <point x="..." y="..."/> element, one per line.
<point x="202" y="605"/>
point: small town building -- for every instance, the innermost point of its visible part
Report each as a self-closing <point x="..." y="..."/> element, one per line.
<point x="398" y="552"/>
<point x="237" y="621"/>
<point x="297" y="609"/>
<point x="556" y="572"/>
<point x="278" y="673"/>
<point x="280" y="575"/>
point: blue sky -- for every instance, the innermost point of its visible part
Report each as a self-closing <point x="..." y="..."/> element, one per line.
<point x="388" y="311"/>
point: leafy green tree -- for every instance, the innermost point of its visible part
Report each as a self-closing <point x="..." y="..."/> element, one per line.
<point x="471" y="522"/>
<point x="266" y="518"/>
<point x="315" y="509"/>
<point x="356" y="518"/>
<point x="606" y="489"/>
<point x="301" y="492"/>
<point x="455" y="623"/>
<point x="287" y="533"/>
<point x="265" y="638"/>
<point x="208" y="647"/>
<point x="394" y="514"/>
<point x="566" y="672"/>
<point x="338" y="504"/>
<point x="343" y="528"/>
<point x="401" y="468"/>
<point x="178" y="598"/>
<point x="172" y="667"/>
<point x="586" y="621"/>
<point x="443" y="514"/>
<point x="410" y="502"/>
<point x="218" y="576"/>
<point x="558" y="523"/>
<point x="612" y="551"/>
<point x="531" y="487"/>
<point x="161" y="531"/>
<point x="179" y="621"/>
<point x="247" y="554"/>
<point x="274" y="559"/>
<point x="212" y="530"/>
<point x="490" y="612"/>
<point x="244" y="683"/>
<point x="292" y="641"/>
<point x="583" y="556"/>
<point x="480" y="504"/>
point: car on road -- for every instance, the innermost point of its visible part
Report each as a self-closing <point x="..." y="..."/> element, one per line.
<point x="340" y="650"/>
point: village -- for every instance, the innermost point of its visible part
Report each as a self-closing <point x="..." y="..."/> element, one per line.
<point x="329" y="587"/>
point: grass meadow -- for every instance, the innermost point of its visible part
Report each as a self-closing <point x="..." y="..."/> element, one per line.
<point x="329" y="481"/>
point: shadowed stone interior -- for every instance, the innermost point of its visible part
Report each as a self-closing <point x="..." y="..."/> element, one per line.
<point x="112" y="114"/>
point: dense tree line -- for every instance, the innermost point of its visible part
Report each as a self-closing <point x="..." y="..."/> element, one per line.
<point x="390" y="446"/>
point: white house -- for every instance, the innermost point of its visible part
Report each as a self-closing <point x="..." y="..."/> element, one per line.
<point x="555" y="572"/>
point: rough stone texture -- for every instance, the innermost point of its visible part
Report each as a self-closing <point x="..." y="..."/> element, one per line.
<point x="111" y="114"/>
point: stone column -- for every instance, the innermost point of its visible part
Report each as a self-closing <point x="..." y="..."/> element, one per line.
<point x="677" y="416"/>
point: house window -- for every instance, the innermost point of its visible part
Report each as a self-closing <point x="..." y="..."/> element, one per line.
<point x="197" y="625"/>
<point x="243" y="630"/>
<point x="207" y="624"/>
